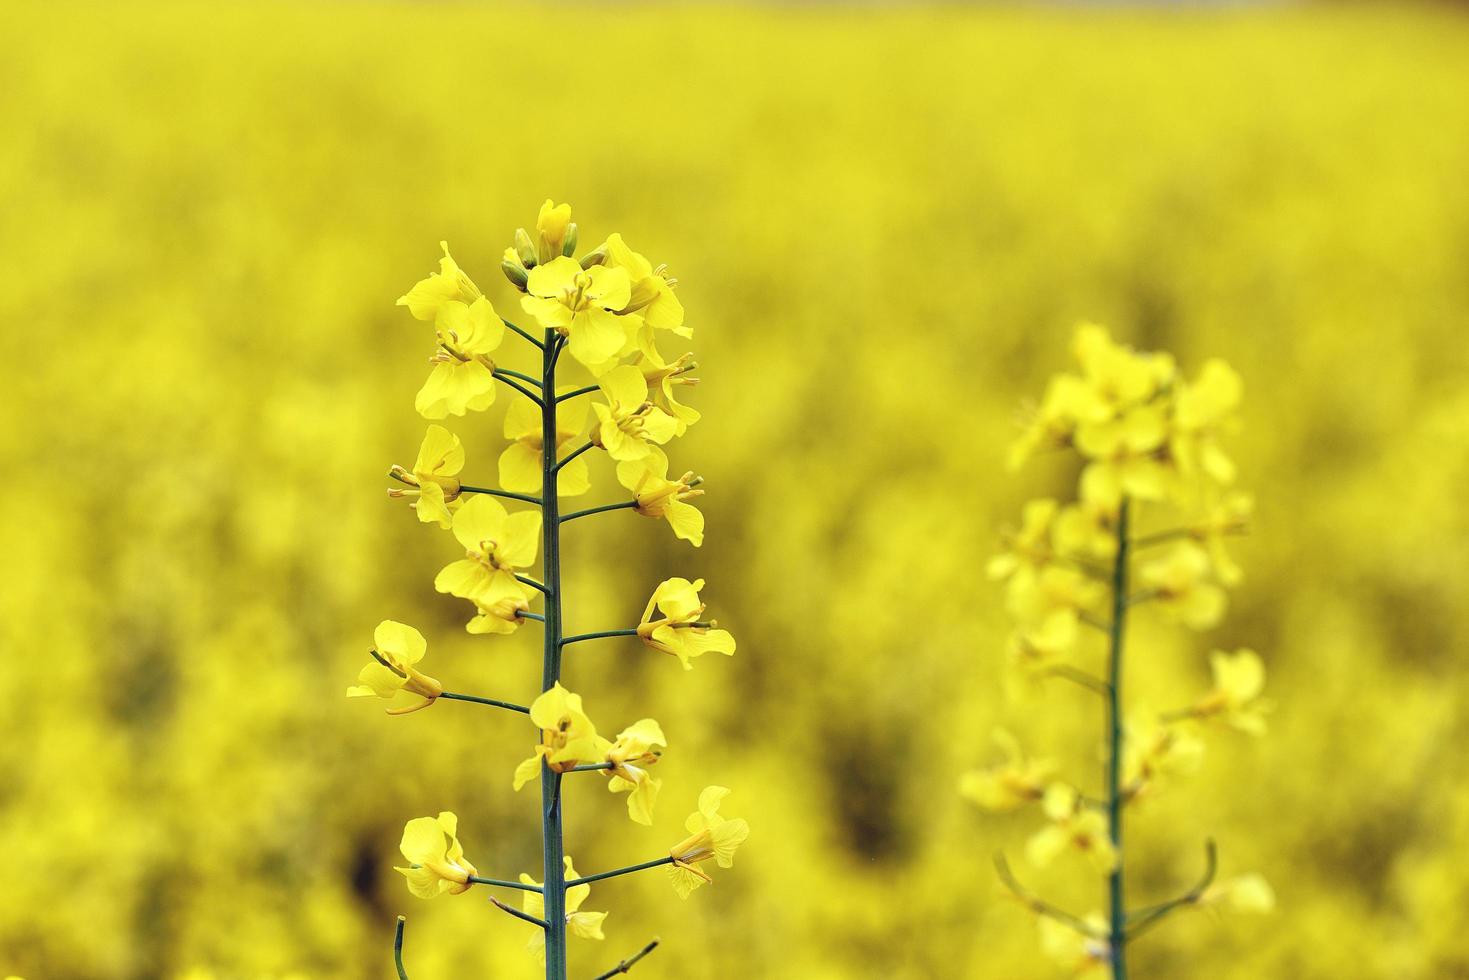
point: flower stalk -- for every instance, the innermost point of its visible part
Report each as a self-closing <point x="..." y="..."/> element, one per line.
<point x="607" y="312"/>
<point x="553" y="850"/>
<point x="1146" y="435"/>
<point x="1116" y="897"/>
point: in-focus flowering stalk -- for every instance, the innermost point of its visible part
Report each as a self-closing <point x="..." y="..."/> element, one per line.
<point x="1149" y="440"/>
<point x="607" y="310"/>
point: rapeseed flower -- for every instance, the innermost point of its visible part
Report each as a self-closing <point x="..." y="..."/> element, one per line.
<point x="679" y="631"/>
<point x="711" y="836"/>
<point x="437" y="865"/>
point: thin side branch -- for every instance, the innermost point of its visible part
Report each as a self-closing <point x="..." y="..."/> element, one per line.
<point x="523" y="333"/>
<point x="620" y="871"/>
<point x="593" y="767"/>
<point x="518" y="885"/>
<point x="580" y="391"/>
<point x="1144" y="919"/>
<point x="526" y="579"/>
<point x="1077" y="676"/>
<point x="398" y="949"/>
<point x="1039" y="906"/>
<point x="579" y="451"/>
<point x="603" y="634"/>
<point x="523" y="916"/>
<point x="518" y="387"/>
<point x="520" y="376"/>
<point x="492" y="702"/>
<point x="598" y="510"/>
<point x="627" y="964"/>
<point x="502" y="493"/>
<point x="522" y="614"/>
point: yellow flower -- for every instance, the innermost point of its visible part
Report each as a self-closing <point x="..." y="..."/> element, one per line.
<point x="1086" y="529"/>
<point x="1178" y="580"/>
<point x="1010" y="785"/>
<point x="397" y="647"/>
<point x="434" y="477"/>
<point x="1125" y="458"/>
<point x="450" y="283"/>
<point x="658" y="496"/>
<point x="462" y="378"/>
<point x="435" y="857"/>
<point x="555" y="233"/>
<point x="710" y="836"/>
<point x="629" y="424"/>
<point x="1080" y="954"/>
<point x="1202" y="410"/>
<point x="496" y="543"/>
<point x="568" y="737"/>
<point x="1230" y="516"/>
<point x="1073" y="825"/>
<point x="1028" y="550"/>
<point x="1154" y="748"/>
<point x="680" y="632"/>
<point x="651" y="291"/>
<point x="1118" y="376"/>
<point x="1067" y="403"/>
<point x="582" y="304"/>
<point x="661" y="376"/>
<point x="1239" y="678"/>
<point x="635" y="749"/>
<point x="1049" y="606"/>
<point x="520" y="463"/>
<point x="586" y="925"/>
<point x="498" y="607"/>
<point x="467" y="329"/>
<point x="1244" y="893"/>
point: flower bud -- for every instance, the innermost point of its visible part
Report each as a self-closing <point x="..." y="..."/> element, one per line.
<point x="568" y="247"/>
<point x="596" y="256"/>
<point x="516" y="273"/>
<point x="525" y="248"/>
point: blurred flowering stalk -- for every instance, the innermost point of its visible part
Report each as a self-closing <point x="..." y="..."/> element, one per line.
<point x="1149" y="527"/>
<point x="607" y="310"/>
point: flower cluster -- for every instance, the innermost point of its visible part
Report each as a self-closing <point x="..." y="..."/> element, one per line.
<point x="1146" y="435"/>
<point x="607" y="310"/>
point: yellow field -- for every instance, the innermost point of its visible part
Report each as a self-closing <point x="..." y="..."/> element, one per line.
<point x="885" y="224"/>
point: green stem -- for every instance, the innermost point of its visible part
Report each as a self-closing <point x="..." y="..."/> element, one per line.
<point x="574" y="455"/>
<point x="580" y="391"/>
<point x="523" y="916"/>
<point x="578" y="638"/>
<point x="507" y="705"/>
<point x="519" y="375"/>
<point x="620" y="871"/>
<point x="522" y="333"/>
<point x="530" y="581"/>
<point x="522" y="886"/>
<point x="501" y="493"/>
<point x="398" y="949"/>
<point x="552" y="844"/>
<point x="598" y="510"/>
<point x="627" y="964"/>
<point x="593" y="767"/>
<point x="1117" y="907"/>
<point x="519" y="387"/>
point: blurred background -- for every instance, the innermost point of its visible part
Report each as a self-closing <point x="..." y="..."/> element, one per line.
<point x="886" y="222"/>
